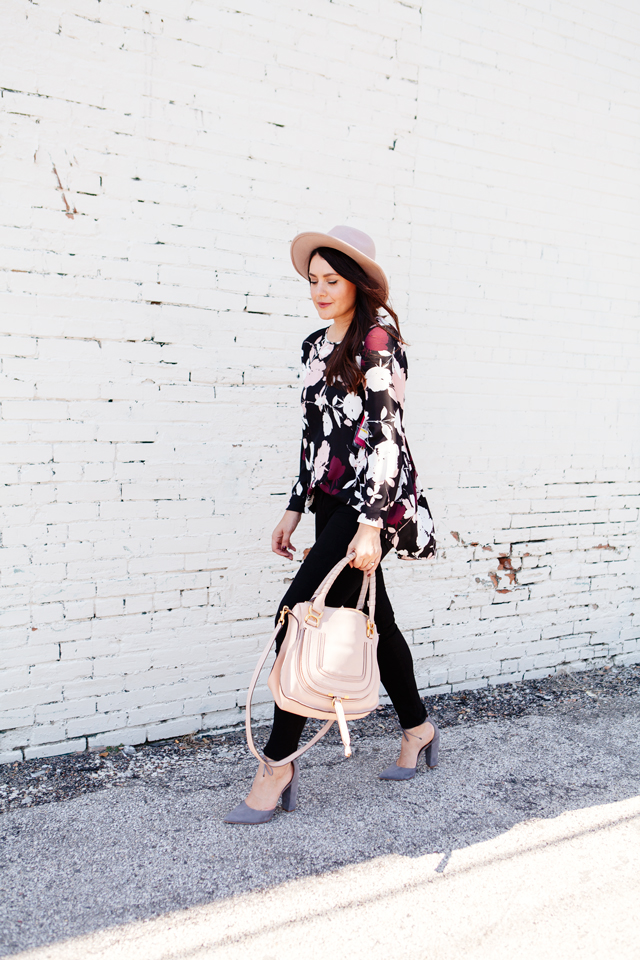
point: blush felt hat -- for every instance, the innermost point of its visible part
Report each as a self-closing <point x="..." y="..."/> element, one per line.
<point x="356" y="244"/>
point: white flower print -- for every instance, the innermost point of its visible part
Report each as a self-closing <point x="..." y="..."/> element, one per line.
<point x="424" y="527"/>
<point x="325" y="349"/>
<point x="327" y="424"/>
<point x="378" y="378"/>
<point x="383" y="462"/>
<point x="352" y="406"/>
<point x="359" y="460"/>
<point x="322" y="460"/>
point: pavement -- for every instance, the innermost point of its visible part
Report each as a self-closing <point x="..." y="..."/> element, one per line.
<point x="525" y="841"/>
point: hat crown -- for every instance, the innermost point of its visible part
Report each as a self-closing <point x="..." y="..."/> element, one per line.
<point x="356" y="238"/>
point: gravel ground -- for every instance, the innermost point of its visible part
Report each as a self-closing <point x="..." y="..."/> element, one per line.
<point x="34" y="782"/>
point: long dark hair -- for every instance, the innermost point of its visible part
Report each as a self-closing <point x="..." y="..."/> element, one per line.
<point x="370" y="300"/>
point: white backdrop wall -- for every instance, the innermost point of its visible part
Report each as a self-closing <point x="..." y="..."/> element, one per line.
<point x="155" y="163"/>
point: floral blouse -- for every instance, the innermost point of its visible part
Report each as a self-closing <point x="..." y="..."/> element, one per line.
<point x="354" y="446"/>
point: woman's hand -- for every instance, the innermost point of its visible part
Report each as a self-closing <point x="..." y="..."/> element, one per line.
<point x="367" y="549"/>
<point x="281" y="536"/>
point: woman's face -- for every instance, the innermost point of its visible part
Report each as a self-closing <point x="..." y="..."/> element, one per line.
<point x="333" y="297"/>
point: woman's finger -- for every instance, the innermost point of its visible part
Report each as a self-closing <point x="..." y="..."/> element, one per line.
<point x="362" y="559"/>
<point x="279" y="544"/>
<point x="364" y="563"/>
<point x="284" y="545"/>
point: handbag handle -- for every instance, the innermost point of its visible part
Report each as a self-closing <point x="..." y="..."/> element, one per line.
<point x="368" y="586"/>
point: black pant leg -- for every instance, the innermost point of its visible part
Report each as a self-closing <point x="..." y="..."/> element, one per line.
<point x="396" y="663"/>
<point x="394" y="656"/>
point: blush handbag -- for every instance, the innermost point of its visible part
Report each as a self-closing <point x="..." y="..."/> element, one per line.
<point x="327" y="666"/>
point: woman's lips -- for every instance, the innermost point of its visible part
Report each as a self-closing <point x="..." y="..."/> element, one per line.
<point x="324" y="304"/>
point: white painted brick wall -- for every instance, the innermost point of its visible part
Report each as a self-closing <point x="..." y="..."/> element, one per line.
<point x="154" y="165"/>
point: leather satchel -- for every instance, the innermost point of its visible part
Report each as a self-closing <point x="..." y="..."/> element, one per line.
<point x="327" y="666"/>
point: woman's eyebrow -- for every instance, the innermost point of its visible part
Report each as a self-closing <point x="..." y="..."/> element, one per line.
<point x="331" y="273"/>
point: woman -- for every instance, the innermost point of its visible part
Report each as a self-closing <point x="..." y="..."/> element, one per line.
<point x="357" y="476"/>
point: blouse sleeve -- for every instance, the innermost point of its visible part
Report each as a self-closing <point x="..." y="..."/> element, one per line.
<point x="298" y="498"/>
<point x="385" y="367"/>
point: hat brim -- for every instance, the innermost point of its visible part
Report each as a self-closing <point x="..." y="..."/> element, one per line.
<point x="304" y="244"/>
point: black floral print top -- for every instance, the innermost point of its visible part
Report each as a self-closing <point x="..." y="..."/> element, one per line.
<point x="354" y="446"/>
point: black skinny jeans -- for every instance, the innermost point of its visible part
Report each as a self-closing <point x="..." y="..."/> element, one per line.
<point x="336" y="526"/>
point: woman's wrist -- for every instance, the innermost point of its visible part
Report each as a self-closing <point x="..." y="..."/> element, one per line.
<point x="296" y="503"/>
<point x="366" y="547"/>
<point x="368" y="534"/>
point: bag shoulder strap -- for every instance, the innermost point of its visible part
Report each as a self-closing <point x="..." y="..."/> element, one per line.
<point x="247" y="722"/>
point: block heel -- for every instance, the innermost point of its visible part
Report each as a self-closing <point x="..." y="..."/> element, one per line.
<point x="432" y="749"/>
<point x="290" y="795"/>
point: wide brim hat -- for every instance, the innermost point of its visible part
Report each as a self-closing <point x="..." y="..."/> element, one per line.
<point x="356" y="244"/>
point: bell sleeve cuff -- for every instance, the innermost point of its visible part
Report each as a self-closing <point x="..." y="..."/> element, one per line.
<point x="296" y="503"/>
<point x="370" y="523"/>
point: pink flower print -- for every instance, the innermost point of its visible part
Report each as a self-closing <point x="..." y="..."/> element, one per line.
<point x="322" y="459"/>
<point x="377" y="339"/>
<point x="314" y="373"/>
<point x="399" y="381"/>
